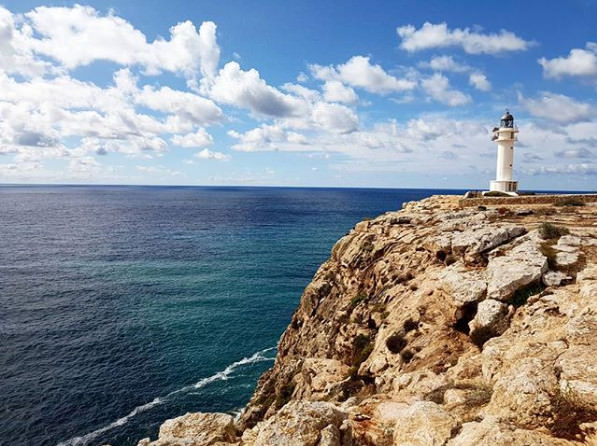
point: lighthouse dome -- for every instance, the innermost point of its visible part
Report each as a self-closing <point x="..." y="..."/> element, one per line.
<point x="507" y="120"/>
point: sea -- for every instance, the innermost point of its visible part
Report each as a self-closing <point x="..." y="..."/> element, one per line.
<point x="123" y="306"/>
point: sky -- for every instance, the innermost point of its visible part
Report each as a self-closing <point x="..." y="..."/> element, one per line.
<point x="305" y="93"/>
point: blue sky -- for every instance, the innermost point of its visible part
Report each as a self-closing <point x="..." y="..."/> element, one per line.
<point x="310" y="93"/>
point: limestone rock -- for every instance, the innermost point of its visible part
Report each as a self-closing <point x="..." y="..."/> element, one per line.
<point x="423" y="423"/>
<point x="566" y="259"/>
<point x="330" y="436"/>
<point x="490" y="432"/>
<point x="523" y="393"/>
<point x="555" y="278"/>
<point x="578" y="375"/>
<point x="464" y="285"/>
<point x="196" y="429"/>
<point x="320" y="377"/>
<point x="470" y="244"/>
<point x="299" y="423"/>
<point x="523" y="265"/>
<point x="492" y="319"/>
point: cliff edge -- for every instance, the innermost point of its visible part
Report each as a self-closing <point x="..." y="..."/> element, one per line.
<point x="434" y="325"/>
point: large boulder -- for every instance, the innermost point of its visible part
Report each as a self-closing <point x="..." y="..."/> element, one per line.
<point x="523" y="393"/>
<point x="492" y="319"/>
<point x="522" y="266"/>
<point x="578" y="374"/>
<point x="299" y="423"/>
<point x="423" y="423"/>
<point x="462" y="284"/>
<point x="471" y="244"/>
<point x="490" y="432"/>
<point x="196" y="429"/>
<point x="319" y="378"/>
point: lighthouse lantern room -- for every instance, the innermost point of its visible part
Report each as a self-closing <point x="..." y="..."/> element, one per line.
<point x="505" y="136"/>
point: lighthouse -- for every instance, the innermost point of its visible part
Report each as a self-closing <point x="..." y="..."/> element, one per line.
<point x="505" y="136"/>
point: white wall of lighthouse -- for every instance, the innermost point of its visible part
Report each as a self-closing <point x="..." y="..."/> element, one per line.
<point x="505" y="137"/>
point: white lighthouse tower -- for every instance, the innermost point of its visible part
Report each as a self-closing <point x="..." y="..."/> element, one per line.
<point x="505" y="135"/>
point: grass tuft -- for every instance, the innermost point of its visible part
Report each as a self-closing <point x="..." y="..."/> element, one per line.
<point x="549" y="231"/>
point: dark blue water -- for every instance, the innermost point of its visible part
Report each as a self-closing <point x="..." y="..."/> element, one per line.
<point x="124" y="306"/>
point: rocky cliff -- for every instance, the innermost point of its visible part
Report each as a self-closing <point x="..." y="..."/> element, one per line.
<point x="434" y="325"/>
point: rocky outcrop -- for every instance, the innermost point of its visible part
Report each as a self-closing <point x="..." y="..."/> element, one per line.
<point x="192" y="429"/>
<point x="434" y="325"/>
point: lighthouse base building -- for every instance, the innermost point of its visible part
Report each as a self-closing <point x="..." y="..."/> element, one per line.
<point x="505" y="136"/>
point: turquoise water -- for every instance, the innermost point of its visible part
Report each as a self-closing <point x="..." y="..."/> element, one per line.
<point x="125" y="306"/>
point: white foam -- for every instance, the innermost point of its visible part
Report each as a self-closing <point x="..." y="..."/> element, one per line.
<point x="85" y="439"/>
<point x="219" y="376"/>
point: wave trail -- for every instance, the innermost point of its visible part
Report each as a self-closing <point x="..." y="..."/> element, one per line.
<point x="218" y="376"/>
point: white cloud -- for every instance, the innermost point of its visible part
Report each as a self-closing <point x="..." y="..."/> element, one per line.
<point x="246" y="89"/>
<point x="446" y="63"/>
<point x="359" y="72"/>
<point x="302" y="77"/>
<point x="581" y="152"/>
<point x="266" y="138"/>
<point x="438" y="87"/>
<point x="209" y="51"/>
<point x="302" y="92"/>
<point x="196" y="109"/>
<point x="198" y="139"/>
<point x="335" y="118"/>
<point x="567" y="169"/>
<point x="209" y="155"/>
<point x="580" y="63"/>
<point x="81" y="35"/>
<point x="440" y="36"/>
<point x="479" y="81"/>
<point x="15" y="55"/>
<point x="336" y="91"/>
<point x="558" y="108"/>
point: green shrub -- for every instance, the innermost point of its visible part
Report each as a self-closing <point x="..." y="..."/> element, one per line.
<point x="570" y="413"/>
<point x="572" y="201"/>
<point x="285" y="394"/>
<point x="362" y="348"/>
<point x="358" y="299"/>
<point x="550" y="231"/>
<point x="395" y="343"/>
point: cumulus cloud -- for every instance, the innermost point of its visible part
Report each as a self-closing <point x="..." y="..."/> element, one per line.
<point x="440" y="36"/>
<point x="81" y="35"/>
<point x="336" y="91"/>
<point x="266" y="138"/>
<point x="558" y="108"/>
<point x="16" y="57"/>
<point x="579" y="63"/>
<point x="438" y="88"/>
<point x="479" y="81"/>
<point x="247" y="89"/>
<point x="200" y="138"/>
<point x="187" y="105"/>
<point x="207" y="154"/>
<point x="446" y="63"/>
<point x="335" y="118"/>
<point x="359" y="72"/>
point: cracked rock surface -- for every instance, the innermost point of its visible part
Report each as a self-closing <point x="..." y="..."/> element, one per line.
<point x="433" y="325"/>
